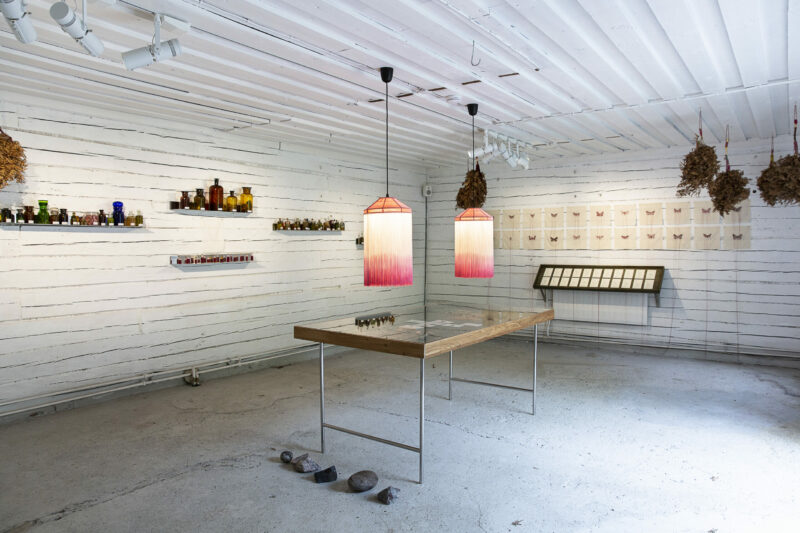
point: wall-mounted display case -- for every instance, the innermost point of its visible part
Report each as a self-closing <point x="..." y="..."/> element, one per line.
<point x="644" y="279"/>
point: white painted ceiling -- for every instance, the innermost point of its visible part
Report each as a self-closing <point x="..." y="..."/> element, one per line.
<point x="591" y="76"/>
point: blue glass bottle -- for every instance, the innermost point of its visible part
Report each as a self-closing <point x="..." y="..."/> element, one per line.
<point x="119" y="214"/>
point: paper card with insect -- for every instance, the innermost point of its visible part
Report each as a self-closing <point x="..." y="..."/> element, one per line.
<point x="532" y="239"/>
<point x="576" y="239"/>
<point x="736" y="238"/>
<point x="532" y="218"/>
<point x="678" y="237"/>
<point x="497" y="217"/>
<point x="738" y="215"/>
<point x="599" y="216"/>
<point x="624" y="239"/>
<point x="576" y="216"/>
<point x="651" y="238"/>
<point x="512" y="219"/>
<point x="511" y="239"/>
<point x="553" y="217"/>
<point x="650" y="215"/>
<point x="553" y="239"/>
<point x="498" y="239"/>
<point x="704" y="214"/>
<point x="625" y="215"/>
<point x="706" y="238"/>
<point x="678" y="213"/>
<point x="600" y="239"/>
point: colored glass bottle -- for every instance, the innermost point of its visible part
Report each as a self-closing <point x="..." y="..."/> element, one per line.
<point x="20" y="216"/>
<point x="54" y="216"/>
<point x="185" y="202"/>
<point x="199" y="202"/>
<point x="29" y="216"/>
<point x="230" y="202"/>
<point x="119" y="214"/>
<point x="74" y="220"/>
<point x="43" y="216"/>
<point x="6" y="215"/>
<point x="102" y="218"/>
<point x="246" y="200"/>
<point x="63" y="216"/>
<point x="216" y="196"/>
<point x="139" y="218"/>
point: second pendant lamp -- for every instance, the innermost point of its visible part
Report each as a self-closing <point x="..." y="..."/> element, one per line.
<point x="388" y="241"/>
<point x="474" y="228"/>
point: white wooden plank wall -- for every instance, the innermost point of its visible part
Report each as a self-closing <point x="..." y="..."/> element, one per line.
<point x="738" y="301"/>
<point x="78" y="308"/>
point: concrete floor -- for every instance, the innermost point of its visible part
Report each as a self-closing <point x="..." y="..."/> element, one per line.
<point x="620" y="442"/>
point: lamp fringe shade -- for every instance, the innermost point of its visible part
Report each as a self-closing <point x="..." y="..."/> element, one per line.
<point x="474" y="244"/>
<point x="388" y="244"/>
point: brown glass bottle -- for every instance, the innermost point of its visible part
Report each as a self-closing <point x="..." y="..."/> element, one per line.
<point x="199" y="202"/>
<point x="230" y="202"/>
<point x="185" y="202"/>
<point x="216" y="196"/>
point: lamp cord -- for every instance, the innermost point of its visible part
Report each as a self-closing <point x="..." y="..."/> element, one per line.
<point x="387" y="139"/>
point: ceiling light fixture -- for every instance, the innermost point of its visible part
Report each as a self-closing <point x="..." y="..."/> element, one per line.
<point x="474" y="228"/>
<point x="76" y="28"/>
<point x="388" y="242"/>
<point x="153" y="53"/>
<point x="513" y="158"/>
<point x="18" y="20"/>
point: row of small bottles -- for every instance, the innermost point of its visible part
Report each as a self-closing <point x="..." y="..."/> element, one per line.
<point x="25" y="215"/>
<point x="306" y="224"/>
<point x="216" y="200"/>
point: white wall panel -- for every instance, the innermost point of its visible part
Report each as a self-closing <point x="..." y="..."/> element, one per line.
<point x="741" y="301"/>
<point x="81" y="307"/>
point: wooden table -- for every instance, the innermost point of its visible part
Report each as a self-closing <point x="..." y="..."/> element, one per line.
<point x="422" y="334"/>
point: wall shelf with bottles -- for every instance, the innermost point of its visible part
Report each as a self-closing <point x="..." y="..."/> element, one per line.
<point x="298" y="226"/>
<point x="214" y="201"/>
<point x="209" y="213"/>
<point x="67" y="227"/>
<point x="203" y="260"/>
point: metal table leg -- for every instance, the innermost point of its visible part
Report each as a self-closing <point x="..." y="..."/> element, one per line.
<point x="450" y="378"/>
<point x="535" y="349"/>
<point x="421" y="412"/>
<point x="322" y="397"/>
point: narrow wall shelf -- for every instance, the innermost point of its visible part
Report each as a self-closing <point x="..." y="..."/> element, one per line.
<point x="206" y="260"/>
<point x="308" y="231"/>
<point x="204" y="213"/>
<point x="67" y="227"/>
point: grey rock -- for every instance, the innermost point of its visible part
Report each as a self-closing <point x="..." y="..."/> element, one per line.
<point x="286" y="456"/>
<point x="306" y="465"/>
<point x="388" y="495"/>
<point x="363" y="481"/>
<point x="327" y="475"/>
<point x="299" y="458"/>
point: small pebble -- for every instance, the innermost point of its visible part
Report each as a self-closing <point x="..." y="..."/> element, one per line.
<point x="363" y="481"/>
<point x="299" y="458"/>
<point x="286" y="456"/>
<point x="326" y="476"/>
<point x="306" y="465"/>
<point x="388" y="495"/>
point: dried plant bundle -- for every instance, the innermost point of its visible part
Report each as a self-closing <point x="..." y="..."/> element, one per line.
<point x="780" y="182"/>
<point x="12" y="160"/>
<point x="473" y="191"/>
<point x="698" y="169"/>
<point x="728" y="190"/>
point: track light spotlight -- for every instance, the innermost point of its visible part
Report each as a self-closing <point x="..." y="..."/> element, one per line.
<point x="18" y="20"/>
<point x="512" y="159"/>
<point x="76" y="28"/>
<point x="153" y="53"/>
<point x="524" y="161"/>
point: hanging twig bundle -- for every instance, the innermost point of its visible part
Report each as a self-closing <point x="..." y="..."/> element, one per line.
<point x="473" y="191"/>
<point x="12" y="160"/>
<point x="729" y="188"/>
<point x="779" y="183"/>
<point x="698" y="167"/>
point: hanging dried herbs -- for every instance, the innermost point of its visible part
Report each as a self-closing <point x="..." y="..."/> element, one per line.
<point x="698" y="167"/>
<point x="12" y="160"/>
<point x="729" y="188"/>
<point x="473" y="191"/>
<point x="779" y="183"/>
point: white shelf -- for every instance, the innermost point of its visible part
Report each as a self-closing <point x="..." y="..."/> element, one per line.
<point x="204" y="213"/>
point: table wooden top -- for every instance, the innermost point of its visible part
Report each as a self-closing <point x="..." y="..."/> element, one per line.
<point x="424" y="333"/>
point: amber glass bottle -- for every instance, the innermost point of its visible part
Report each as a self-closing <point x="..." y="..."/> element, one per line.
<point x="246" y="200"/>
<point x="199" y="202"/>
<point x="230" y="202"/>
<point x="185" y="202"/>
<point x="216" y="196"/>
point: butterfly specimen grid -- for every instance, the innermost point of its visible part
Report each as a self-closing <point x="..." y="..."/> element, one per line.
<point x="670" y="225"/>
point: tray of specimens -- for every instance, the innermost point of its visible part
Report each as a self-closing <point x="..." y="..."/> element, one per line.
<point x="600" y="278"/>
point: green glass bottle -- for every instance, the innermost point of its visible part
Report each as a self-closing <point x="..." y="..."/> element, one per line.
<point x="43" y="216"/>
